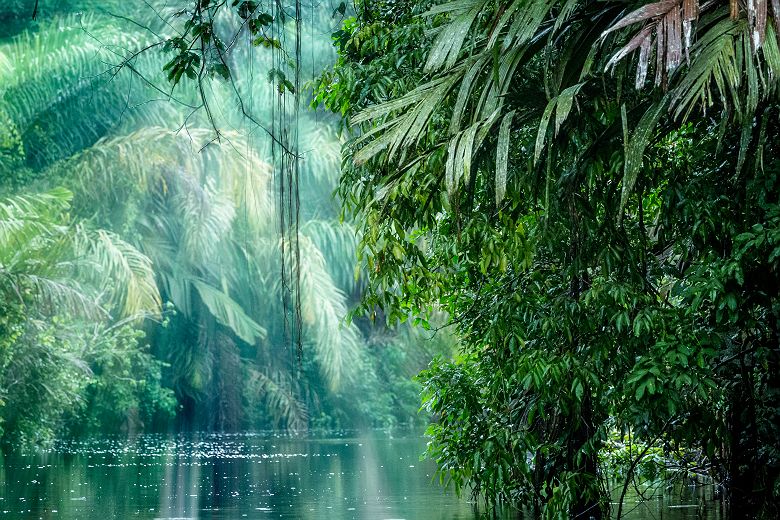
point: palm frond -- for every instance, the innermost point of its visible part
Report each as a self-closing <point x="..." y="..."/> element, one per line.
<point x="24" y="217"/>
<point x="338" y="242"/>
<point x="717" y="59"/>
<point x="228" y="312"/>
<point x="322" y="157"/>
<point x="206" y="217"/>
<point x="142" y="161"/>
<point x="126" y="272"/>
<point x="286" y="409"/>
<point x="51" y="202"/>
<point x="64" y="293"/>
<point x="55" y="73"/>
<point x="724" y="47"/>
<point x="323" y="307"/>
<point x="175" y="284"/>
<point x="449" y="42"/>
<point x="70" y="266"/>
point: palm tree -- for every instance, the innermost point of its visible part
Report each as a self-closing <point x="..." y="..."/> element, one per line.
<point x="202" y="210"/>
<point x="55" y="276"/>
<point x="716" y="58"/>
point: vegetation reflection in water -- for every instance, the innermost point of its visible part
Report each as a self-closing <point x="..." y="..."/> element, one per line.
<point x="228" y="476"/>
<point x="263" y="475"/>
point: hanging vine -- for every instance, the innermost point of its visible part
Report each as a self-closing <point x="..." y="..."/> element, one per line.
<point x="201" y="52"/>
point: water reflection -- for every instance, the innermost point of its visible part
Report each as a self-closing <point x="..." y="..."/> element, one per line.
<point x="227" y="476"/>
<point x="373" y="476"/>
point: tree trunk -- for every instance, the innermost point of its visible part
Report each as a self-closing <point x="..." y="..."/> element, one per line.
<point x="589" y="504"/>
<point x="741" y="496"/>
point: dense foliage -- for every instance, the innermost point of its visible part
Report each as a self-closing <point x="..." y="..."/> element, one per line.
<point x="587" y="190"/>
<point x="605" y="243"/>
<point x="139" y="246"/>
<point x="58" y="284"/>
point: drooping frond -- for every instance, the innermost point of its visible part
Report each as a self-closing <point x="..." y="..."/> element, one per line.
<point x="338" y="243"/>
<point x="276" y="389"/>
<point x="48" y="78"/>
<point x="23" y="217"/>
<point x="321" y="159"/>
<point x="474" y="92"/>
<point x="407" y="128"/>
<point x="49" y="203"/>
<point x="175" y="284"/>
<point x="54" y="294"/>
<point x="707" y="53"/>
<point x="34" y="236"/>
<point x="323" y="307"/>
<point x="68" y="266"/>
<point x="194" y="287"/>
<point x="206" y="217"/>
<point x="143" y="159"/>
<point x="714" y="56"/>
<point x="228" y="312"/>
<point x="126" y="274"/>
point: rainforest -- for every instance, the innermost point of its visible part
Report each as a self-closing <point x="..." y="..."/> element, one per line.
<point x="420" y="259"/>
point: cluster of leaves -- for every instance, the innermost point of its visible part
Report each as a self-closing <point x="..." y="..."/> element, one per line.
<point x="589" y="241"/>
<point x="390" y="53"/>
<point x="201" y="49"/>
<point x="64" y="385"/>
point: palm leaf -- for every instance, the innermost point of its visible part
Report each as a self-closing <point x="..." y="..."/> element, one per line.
<point x="228" y="312"/>
<point x="323" y="308"/>
<point x="56" y="90"/>
<point x="133" y="289"/>
<point x="142" y="161"/>
<point x="338" y="243"/>
<point x="285" y="408"/>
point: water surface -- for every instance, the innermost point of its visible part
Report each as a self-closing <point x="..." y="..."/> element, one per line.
<point x="372" y="476"/>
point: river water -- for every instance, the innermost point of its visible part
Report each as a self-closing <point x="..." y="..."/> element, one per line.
<point x="370" y="476"/>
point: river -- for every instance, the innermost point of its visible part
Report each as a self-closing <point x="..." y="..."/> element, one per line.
<point x="372" y="476"/>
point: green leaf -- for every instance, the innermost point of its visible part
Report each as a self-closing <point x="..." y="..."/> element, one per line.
<point x="502" y="155"/>
<point x="564" y="104"/>
<point x="579" y="390"/>
<point x="541" y="135"/>
<point x="229" y="313"/>
<point x="222" y="70"/>
<point x="246" y="8"/>
<point x="640" y="391"/>
<point x="264" y="19"/>
<point x="268" y="43"/>
<point x="635" y="148"/>
<point x="446" y="48"/>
